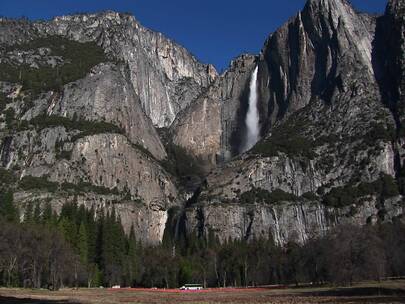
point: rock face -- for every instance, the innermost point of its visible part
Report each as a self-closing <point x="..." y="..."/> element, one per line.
<point x="325" y="123"/>
<point x="313" y="52"/>
<point x="389" y="54"/>
<point x="94" y="139"/>
<point x="119" y="174"/>
<point x="105" y="95"/>
<point x="291" y="221"/>
<point x="165" y="76"/>
<point x="213" y="126"/>
<point x="331" y="105"/>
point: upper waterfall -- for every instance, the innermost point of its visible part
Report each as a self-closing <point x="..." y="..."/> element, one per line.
<point x="252" y="116"/>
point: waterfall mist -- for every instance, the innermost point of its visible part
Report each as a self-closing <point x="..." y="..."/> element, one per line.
<point x="252" y="116"/>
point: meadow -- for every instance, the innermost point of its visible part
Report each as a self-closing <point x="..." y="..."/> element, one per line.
<point x="383" y="292"/>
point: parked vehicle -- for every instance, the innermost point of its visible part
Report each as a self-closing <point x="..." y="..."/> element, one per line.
<point x="191" y="287"/>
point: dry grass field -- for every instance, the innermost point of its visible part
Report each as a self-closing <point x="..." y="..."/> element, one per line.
<point x="386" y="292"/>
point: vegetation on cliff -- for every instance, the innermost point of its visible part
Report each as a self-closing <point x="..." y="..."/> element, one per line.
<point x="286" y="139"/>
<point x="78" y="59"/>
<point x="3" y="101"/>
<point x="385" y="187"/>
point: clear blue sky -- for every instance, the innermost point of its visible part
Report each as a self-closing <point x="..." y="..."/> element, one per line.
<point x="215" y="31"/>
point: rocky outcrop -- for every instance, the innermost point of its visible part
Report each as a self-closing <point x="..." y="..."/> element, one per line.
<point x="110" y="161"/>
<point x="16" y="31"/>
<point x="105" y="95"/>
<point x="283" y="222"/>
<point x="213" y="126"/>
<point x="313" y="52"/>
<point x="296" y="175"/>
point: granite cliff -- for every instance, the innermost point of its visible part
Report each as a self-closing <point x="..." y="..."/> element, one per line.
<point x="92" y="106"/>
<point x="331" y="120"/>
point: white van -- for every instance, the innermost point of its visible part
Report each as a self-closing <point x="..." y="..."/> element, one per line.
<point x="191" y="287"/>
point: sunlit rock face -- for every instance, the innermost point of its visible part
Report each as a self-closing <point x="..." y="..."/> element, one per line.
<point x="165" y="76"/>
<point x="106" y="95"/>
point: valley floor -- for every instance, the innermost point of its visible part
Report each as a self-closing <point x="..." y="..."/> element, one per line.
<point x="386" y="292"/>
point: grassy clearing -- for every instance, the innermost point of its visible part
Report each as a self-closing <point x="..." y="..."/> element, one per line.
<point x="385" y="292"/>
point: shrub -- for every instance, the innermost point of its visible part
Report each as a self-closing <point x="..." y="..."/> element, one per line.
<point x="310" y="196"/>
<point x="42" y="183"/>
<point x="86" y="127"/>
<point x="338" y="197"/>
<point x="379" y="132"/>
<point x="62" y="154"/>
<point x="142" y="149"/>
<point x="3" y="101"/>
<point x="32" y="182"/>
<point x="6" y="177"/>
<point x="286" y="139"/>
<point x="327" y="139"/>
<point x="388" y="186"/>
<point x="10" y="116"/>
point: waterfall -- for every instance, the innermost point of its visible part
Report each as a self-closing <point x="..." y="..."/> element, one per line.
<point x="252" y="116"/>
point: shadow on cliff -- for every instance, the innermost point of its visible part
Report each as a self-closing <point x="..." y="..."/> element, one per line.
<point x="239" y="133"/>
<point x="385" y="55"/>
<point x="11" y="300"/>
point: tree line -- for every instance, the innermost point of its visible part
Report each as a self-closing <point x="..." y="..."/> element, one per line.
<point x="89" y="248"/>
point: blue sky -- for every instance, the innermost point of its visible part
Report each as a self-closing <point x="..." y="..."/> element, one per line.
<point x="215" y="31"/>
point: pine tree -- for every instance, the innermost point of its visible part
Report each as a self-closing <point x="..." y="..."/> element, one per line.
<point x="81" y="215"/>
<point x="95" y="276"/>
<point x="7" y="207"/>
<point x="91" y="228"/>
<point x="28" y="214"/>
<point x="132" y="257"/>
<point x="98" y="256"/>
<point x="109" y="252"/>
<point x="47" y="213"/>
<point x="36" y="216"/>
<point x="83" y="244"/>
<point x="69" y="231"/>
